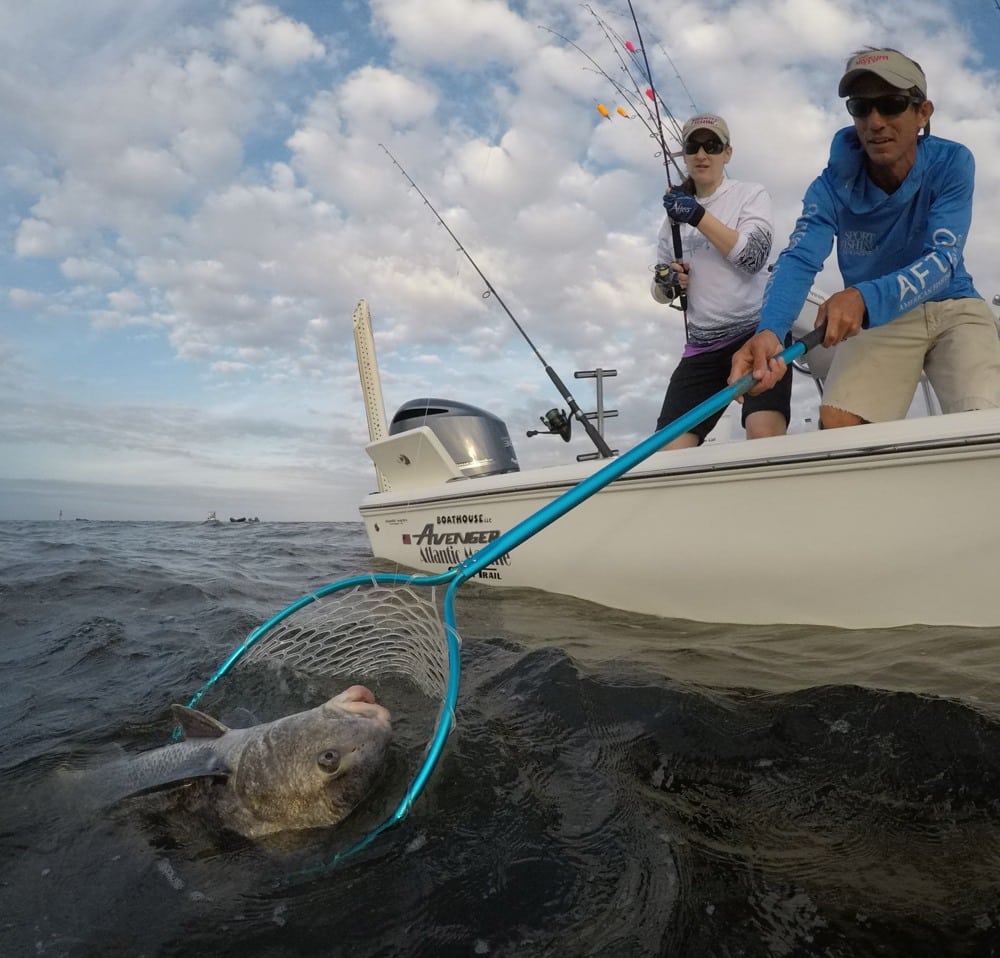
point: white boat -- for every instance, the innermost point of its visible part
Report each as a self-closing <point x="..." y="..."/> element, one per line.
<point x="874" y="526"/>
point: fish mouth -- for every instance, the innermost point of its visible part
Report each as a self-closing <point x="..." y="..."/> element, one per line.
<point x="359" y="700"/>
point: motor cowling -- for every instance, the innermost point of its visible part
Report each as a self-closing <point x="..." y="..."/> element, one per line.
<point x="477" y="440"/>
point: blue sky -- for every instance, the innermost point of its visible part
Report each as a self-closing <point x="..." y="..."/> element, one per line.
<point x="194" y="200"/>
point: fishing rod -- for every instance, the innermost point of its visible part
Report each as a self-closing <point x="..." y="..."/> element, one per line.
<point x="675" y="229"/>
<point x="628" y="97"/>
<point x="652" y="87"/>
<point x="616" y="41"/>
<point x="656" y="128"/>
<point x="552" y="419"/>
<point x="597" y="68"/>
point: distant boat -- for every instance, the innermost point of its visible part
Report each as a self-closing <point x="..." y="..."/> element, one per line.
<point x="212" y="520"/>
<point x="244" y="519"/>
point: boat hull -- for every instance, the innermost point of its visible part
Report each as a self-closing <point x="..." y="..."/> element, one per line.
<point x="875" y="526"/>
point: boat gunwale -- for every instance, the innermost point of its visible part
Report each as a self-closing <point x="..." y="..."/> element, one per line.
<point x="470" y="487"/>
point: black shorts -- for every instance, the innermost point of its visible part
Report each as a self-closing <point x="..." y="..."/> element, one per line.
<point x="700" y="377"/>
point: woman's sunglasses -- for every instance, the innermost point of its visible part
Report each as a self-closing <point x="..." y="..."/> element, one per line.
<point x="712" y="146"/>
<point x="892" y="104"/>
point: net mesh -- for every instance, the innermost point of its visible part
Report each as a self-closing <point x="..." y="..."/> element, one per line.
<point x="367" y="631"/>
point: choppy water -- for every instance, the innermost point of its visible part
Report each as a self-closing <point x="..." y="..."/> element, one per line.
<point x="616" y="785"/>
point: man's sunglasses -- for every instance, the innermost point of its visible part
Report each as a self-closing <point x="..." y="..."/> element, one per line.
<point x="712" y="147"/>
<point x="892" y="104"/>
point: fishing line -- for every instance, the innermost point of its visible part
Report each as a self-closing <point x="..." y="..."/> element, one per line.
<point x="578" y="414"/>
<point x="639" y="109"/>
<point x="616" y="40"/>
<point x="680" y="79"/>
<point x="638" y="102"/>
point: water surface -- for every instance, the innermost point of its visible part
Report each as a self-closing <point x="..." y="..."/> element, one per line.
<point x="615" y="785"/>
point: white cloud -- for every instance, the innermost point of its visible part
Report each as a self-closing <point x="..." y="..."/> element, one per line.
<point x="25" y="298"/>
<point x="259" y="33"/>
<point x="202" y="187"/>
<point x="126" y="300"/>
<point x="89" y="271"/>
<point x="459" y="32"/>
<point x="40" y="238"/>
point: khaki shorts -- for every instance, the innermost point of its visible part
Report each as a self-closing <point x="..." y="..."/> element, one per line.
<point x="875" y="373"/>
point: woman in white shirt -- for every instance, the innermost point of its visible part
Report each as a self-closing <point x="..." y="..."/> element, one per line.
<point x="726" y="231"/>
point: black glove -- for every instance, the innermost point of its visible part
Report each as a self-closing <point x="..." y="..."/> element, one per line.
<point x="682" y="207"/>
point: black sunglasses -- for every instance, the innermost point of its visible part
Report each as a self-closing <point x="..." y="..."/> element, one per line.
<point x="712" y="146"/>
<point x="891" y="104"/>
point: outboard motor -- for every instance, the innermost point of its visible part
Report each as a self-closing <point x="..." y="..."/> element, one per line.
<point x="477" y="440"/>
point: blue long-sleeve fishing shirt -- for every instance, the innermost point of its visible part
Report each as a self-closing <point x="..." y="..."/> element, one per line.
<point x="897" y="249"/>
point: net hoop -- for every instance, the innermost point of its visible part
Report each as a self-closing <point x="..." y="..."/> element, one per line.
<point x="298" y="646"/>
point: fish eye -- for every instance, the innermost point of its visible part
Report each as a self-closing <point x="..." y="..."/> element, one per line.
<point x="329" y="761"/>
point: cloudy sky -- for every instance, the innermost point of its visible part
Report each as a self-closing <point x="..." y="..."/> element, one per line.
<point x="194" y="201"/>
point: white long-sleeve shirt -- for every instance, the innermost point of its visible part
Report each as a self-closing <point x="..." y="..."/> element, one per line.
<point x="724" y="293"/>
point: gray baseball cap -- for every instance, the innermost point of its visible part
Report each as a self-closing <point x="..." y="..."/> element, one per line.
<point x="706" y="121"/>
<point x="891" y="65"/>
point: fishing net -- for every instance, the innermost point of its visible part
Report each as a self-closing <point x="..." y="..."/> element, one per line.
<point x="379" y="630"/>
<point x="364" y="632"/>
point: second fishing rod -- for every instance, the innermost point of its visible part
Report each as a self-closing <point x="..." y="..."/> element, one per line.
<point x="595" y="437"/>
<point x="675" y="230"/>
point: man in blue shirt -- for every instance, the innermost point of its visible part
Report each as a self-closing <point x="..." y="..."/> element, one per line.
<point x="899" y="206"/>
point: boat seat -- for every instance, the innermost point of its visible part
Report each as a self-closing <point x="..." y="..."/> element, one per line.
<point x="413" y="459"/>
